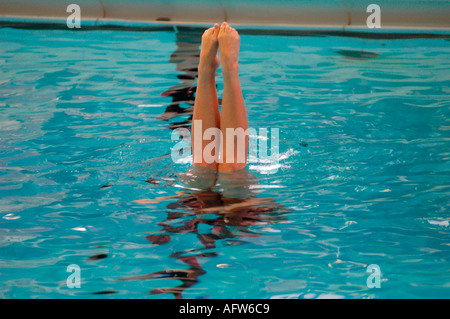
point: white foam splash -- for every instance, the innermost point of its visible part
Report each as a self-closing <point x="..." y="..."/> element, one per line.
<point x="11" y="217"/>
<point x="444" y="223"/>
<point x="150" y="105"/>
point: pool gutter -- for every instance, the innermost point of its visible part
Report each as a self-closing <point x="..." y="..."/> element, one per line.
<point x="328" y="14"/>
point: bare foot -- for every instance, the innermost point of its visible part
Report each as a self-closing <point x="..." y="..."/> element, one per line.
<point x="229" y="43"/>
<point x="209" y="61"/>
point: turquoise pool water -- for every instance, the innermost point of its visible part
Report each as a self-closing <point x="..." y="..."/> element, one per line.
<point x="86" y="177"/>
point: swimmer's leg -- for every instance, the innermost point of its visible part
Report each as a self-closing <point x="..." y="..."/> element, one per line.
<point x="233" y="115"/>
<point x="206" y="107"/>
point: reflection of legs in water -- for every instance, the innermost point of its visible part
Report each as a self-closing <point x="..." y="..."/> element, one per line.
<point x="229" y="212"/>
<point x="206" y="107"/>
<point x="186" y="58"/>
<point x="228" y="219"/>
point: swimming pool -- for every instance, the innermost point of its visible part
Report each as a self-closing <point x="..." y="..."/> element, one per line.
<point x="86" y="175"/>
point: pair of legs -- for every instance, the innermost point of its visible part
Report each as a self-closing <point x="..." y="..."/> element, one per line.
<point x="206" y="108"/>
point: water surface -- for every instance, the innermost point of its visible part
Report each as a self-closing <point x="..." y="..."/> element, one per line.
<point x="86" y="175"/>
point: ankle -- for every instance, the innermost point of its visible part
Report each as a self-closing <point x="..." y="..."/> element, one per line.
<point x="230" y="69"/>
<point x="206" y="69"/>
